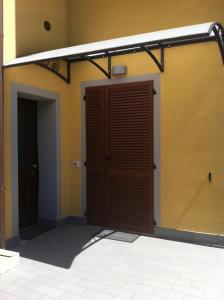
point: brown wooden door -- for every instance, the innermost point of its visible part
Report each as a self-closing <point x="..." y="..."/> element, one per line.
<point x="95" y="140"/>
<point x="126" y="156"/>
<point x="27" y="162"/>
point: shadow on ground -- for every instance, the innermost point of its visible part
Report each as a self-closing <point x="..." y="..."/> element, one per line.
<point x="60" y="246"/>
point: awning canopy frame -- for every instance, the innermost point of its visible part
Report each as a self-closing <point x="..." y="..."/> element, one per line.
<point x="54" y="67"/>
<point x="160" y="64"/>
<point x="106" y="73"/>
<point x="168" y="38"/>
<point x="219" y="34"/>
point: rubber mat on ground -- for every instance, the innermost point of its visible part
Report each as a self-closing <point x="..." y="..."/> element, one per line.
<point x="118" y="236"/>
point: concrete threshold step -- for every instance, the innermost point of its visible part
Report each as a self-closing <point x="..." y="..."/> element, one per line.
<point x="8" y="260"/>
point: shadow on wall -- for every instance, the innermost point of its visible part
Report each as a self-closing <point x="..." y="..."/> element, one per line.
<point x="59" y="247"/>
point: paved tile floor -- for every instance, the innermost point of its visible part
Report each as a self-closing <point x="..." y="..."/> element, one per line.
<point x="67" y="263"/>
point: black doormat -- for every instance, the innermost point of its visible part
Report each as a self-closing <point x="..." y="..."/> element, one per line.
<point x="117" y="236"/>
<point x="34" y="231"/>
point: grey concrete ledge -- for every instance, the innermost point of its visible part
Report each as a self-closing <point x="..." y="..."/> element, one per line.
<point x="190" y="237"/>
<point x="15" y="240"/>
<point x="12" y="242"/>
<point x="72" y="220"/>
<point x="160" y="232"/>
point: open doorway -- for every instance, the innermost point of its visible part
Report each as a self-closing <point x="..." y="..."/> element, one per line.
<point x="27" y="163"/>
<point x="35" y="160"/>
<point x="36" y="167"/>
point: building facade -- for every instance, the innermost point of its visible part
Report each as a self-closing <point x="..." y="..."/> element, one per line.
<point x="188" y="110"/>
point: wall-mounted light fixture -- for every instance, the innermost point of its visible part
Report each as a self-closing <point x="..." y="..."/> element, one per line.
<point x="119" y="70"/>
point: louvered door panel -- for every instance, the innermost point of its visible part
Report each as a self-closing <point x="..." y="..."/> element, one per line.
<point x="120" y="156"/>
<point x="129" y="148"/>
<point x="96" y="203"/>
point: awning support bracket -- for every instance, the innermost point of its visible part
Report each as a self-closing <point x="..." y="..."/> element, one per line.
<point x="160" y="64"/>
<point x="215" y="33"/>
<point x="54" y="67"/>
<point x="106" y="73"/>
<point x="219" y="34"/>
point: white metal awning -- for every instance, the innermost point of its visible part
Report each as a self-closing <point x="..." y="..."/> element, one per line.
<point x="212" y="31"/>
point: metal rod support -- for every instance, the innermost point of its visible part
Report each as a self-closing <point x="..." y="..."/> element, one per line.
<point x="109" y="65"/>
<point x="56" y="72"/>
<point x="106" y="73"/>
<point x="160" y="64"/>
<point x="219" y="34"/>
<point x="68" y="72"/>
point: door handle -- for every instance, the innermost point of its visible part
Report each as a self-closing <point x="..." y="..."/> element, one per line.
<point x="34" y="169"/>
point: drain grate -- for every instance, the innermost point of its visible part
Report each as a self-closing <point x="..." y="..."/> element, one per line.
<point x="117" y="236"/>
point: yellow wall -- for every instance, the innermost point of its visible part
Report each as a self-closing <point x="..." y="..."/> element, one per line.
<point x="28" y="18"/>
<point x="31" y="36"/>
<point x="192" y="139"/>
<point x="191" y="101"/>
<point x="192" y="107"/>
<point x="9" y="28"/>
<point x="105" y="19"/>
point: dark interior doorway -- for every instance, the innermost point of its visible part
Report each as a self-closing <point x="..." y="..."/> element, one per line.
<point x="27" y="163"/>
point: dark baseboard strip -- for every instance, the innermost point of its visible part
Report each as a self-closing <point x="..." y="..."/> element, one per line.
<point x="49" y="223"/>
<point x="67" y="220"/>
<point x="72" y="220"/>
<point x="190" y="237"/>
<point x="12" y="242"/>
<point x="15" y="240"/>
<point x="160" y="232"/>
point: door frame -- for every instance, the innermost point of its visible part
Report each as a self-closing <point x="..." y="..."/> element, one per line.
<point x="156" y="135"/>
<point x="2" y="206"/>
<point x="43" y="97"/>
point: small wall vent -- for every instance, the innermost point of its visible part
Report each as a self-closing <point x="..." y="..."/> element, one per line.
<point x="47" y="25"/>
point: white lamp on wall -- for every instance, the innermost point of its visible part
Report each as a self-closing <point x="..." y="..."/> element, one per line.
<point x="119" y="70"/>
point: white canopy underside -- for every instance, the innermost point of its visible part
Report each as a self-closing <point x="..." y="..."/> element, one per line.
<point x="124" y="43"/>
